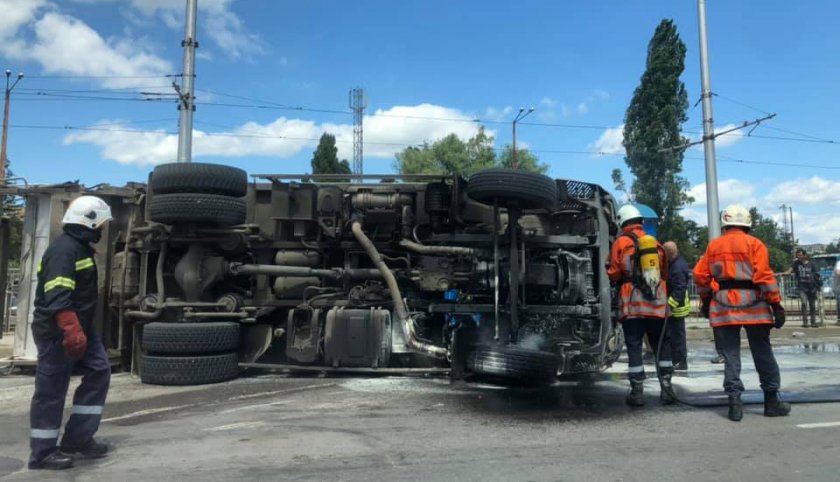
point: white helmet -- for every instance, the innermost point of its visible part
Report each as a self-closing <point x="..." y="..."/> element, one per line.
<point x="88" y="211"/>
<point x="627" y="213"/>
<point x="735" y="215"/>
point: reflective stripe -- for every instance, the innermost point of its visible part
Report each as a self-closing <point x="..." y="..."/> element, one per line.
<point x="87" y="409"/>
<point x="84" y="264"/>
<point x="60" y="281"/>
<point x="673" y="303"/>
<point x="638" y="369"/>
<point x="43" y="433"/>
<point x="665" y="364"/>
<point x="40" y="266"/>
<point x="770" y="287"/>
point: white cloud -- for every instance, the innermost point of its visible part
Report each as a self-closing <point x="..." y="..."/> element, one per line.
<point x="730" y="191"/>
<point x="494" y="114"/>
<point x="548" y="102"/>
<point x="729" y="138"/>
<point x="62" y="44"/>
<point x="386" y="133"/>
<point x="817" y="228"/>
<point x="218" y="22"/>
<point x="813" y="191"/>
<point x="17" y="13"/>
<point x="610" y="141"/>
<point x="582" y="108"/>
<point x="601" y="94"/>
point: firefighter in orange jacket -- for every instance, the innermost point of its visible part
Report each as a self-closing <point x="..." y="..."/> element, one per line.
<point x="737" y="288"/>
<point x="643" y="304"/>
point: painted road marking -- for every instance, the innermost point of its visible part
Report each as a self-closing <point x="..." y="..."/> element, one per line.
<point x="233" y="426"/>
<point x="819" y="425"/>
<point x="150" y="411"/>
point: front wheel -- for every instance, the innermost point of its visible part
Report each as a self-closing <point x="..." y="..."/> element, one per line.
<point x="513" y="365"/>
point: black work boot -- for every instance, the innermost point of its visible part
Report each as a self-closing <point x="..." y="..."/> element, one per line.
<point x="636" y="396"/>
<point x="666" y="392"/>
<point x="718" y="359"/>
<point x="53" y="461"/>
<point x="774" y="406"/>
<point x="91" y="450"/>
<point x="736" y="408"/>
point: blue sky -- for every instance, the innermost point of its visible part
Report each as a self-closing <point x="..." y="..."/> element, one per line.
<point x="429" y="67"/>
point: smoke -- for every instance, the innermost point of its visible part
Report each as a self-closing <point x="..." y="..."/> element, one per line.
<point x="532" y="341"/>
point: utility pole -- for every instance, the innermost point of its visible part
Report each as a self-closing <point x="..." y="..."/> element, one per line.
<point x="186" y="94"/>
<point x="4" y="160"/>
<point x="792" y="236"/>
<point x="712" y="207"/>
<point x="358" y="103"/>
<point x="519" y="116"/>
<point x="784" y="209"/>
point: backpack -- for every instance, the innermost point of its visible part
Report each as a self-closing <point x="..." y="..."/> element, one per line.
<point x="645" y="273"/>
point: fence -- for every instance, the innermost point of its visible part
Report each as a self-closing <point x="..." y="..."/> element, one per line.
<point x="9" y="317"/>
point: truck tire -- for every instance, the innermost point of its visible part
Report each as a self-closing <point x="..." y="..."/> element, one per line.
<point x="615" y="344"/>
<point x="188" y="370"/>
<point x="190" y="338"/>
<point x="527" y="190"/>
<point x="197" y="177"/>
<point x="513" y="365"/>
<point x="197" y="208"/>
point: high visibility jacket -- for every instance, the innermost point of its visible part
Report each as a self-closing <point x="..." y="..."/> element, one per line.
<point x="67" y="280"/>
<point x="735" y="274"/>
<point x="678" y="279"/>
<point x="632" y="303"/>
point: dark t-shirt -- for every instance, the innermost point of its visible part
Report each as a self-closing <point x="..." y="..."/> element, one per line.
<point x="805" y="275"/>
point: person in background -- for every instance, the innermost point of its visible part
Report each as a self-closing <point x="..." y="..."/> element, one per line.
<point x="678" y="279"/>
<point x="807" y="284"/>
<point x="835" y="285"/>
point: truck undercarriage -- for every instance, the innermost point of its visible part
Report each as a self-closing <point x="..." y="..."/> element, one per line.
<point x="498" y="277"/>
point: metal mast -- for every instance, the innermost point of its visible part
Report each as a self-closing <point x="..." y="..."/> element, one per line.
<point x="4" y="160"/>
<point x="712" y="207"/>
<point x="358" y="103"/>
<point x="186" y="106"/>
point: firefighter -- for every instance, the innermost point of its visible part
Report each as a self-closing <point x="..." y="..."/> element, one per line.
<point x="65" y="303"/>
<point x="738" y="289"/>
<point x="638" y="266"/>
<point x="679" y="275"/>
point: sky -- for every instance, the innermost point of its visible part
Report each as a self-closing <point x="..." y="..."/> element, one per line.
<point x="96" y="102"/>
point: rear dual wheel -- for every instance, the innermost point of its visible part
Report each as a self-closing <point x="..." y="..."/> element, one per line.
<point x="189" y="353"/>
<point x="210" y="194"/>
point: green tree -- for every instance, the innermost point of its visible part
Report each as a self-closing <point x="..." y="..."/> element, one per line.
<point x="525" y="160"/>
<point x="12" y="208"/>
<point x="652" y="132"/>
<point x="779" y="245"/>
<point x="325" y="159"/>
<point x="448" y="156"/>
<point x="452" y="155"/>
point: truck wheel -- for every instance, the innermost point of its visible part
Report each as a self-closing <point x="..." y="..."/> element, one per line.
<point x="615" y="344"/>
<point x="197" y="177"/>
<point x="513" y="365"/>
<point x="528" y="190"/>
<point x="190" y="338"/>
<point x="197" y="208"/>
<point x="188" y="370"/>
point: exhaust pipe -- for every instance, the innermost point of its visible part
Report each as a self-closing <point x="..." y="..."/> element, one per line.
<point x="400" y="309"/>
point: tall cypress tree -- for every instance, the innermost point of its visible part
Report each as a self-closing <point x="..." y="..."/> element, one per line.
<point x="325" y="159"/>
<point x="652" y="131"/>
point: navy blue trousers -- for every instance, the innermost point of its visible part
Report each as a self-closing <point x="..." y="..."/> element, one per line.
<point x="762" y="353"/>
<point x="635" y="330"/>
<point x="52" y="378"/>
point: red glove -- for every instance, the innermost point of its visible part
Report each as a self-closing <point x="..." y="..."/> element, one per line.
<point x="75" y="341"/>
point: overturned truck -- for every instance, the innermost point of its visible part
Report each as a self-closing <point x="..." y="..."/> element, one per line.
<point x="498" y="277"/>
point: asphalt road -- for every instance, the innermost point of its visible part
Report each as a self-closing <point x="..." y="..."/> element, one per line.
<point x="270" y="427"/>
